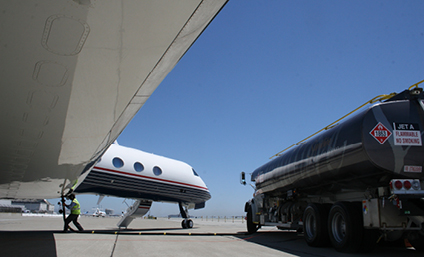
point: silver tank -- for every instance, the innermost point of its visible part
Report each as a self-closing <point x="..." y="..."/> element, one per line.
<point x="367" y="150"/>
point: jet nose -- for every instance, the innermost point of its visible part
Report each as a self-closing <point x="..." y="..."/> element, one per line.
<point x="201" y="185"/>
<point x="204" y="185"/>
<point x="205" y="188"/>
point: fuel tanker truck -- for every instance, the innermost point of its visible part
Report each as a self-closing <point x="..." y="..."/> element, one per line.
<point x="354" y="184"/>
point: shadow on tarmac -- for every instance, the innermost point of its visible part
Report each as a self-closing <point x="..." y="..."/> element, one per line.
<point x="42" y="243"/>
<point x="294" y="243"/>
<point x="27" y="244"/>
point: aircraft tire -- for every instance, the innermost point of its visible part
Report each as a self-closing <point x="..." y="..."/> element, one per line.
<point x="315" y="228"/>
<point x="187" y="223"/>
<point x="190" y="223"/>
<point x="184" y="224"/>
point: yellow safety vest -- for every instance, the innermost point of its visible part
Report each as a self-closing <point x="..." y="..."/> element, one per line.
<point x="76" y="209"/>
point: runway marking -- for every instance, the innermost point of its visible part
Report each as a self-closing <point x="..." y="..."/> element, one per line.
<point x="114" y="245"/>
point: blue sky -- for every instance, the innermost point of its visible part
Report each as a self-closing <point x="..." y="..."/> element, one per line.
<point x="266" y="74"/>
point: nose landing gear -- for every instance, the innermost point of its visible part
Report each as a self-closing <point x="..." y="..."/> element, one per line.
<point x="186" y="223"/>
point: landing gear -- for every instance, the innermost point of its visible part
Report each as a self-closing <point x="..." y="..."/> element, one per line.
<point x="62" y="198"/>
<point x="186" y="223"/>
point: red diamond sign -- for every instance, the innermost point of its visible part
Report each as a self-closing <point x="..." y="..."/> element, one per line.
<point x="380" y="133"/>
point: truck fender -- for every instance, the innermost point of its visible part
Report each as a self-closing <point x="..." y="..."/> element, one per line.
<point x="248" y="205"/>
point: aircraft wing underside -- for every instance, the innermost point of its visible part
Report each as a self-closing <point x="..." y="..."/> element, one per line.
<point x="74" y="73"/>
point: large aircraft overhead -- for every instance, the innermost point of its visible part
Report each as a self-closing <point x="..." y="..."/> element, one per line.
<point x="74" y="73"/>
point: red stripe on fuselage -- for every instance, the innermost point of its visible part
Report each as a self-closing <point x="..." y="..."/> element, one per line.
<point x="150" y="178"/>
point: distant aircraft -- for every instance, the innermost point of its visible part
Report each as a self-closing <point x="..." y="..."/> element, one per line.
<point x="73" y="75"/>
<point x="130" y="173"/>
<point x="99" y="213"/>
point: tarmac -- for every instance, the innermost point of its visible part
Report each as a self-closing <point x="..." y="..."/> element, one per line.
<point x="41" y="236"/>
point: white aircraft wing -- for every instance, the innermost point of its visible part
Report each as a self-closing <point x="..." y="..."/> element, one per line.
<point x="74" y="73"/>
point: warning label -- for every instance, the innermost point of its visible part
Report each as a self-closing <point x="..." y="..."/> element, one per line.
<point x="380" y="133"/>
<point x="412" y="169"/>
<point x="407" y="134"/>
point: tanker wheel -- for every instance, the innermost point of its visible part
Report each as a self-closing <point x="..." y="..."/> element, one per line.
<point x="417" y="240"/>
<point x="315" y="229"/>
<point x="251" y="226"/>
<point x="345" y="227"/>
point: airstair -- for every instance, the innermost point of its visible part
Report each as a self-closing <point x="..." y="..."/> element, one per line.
<point x="138" y="209"/>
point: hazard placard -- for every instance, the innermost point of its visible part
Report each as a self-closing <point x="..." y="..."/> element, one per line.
<point x="407" y="134"/>
<point x="380" y="133"/>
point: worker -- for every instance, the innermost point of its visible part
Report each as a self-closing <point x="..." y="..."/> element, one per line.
<point x="75" y="212"/>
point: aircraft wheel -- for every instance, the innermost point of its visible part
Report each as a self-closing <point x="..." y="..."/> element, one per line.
<point x="187" y="223"/>
<point x="315" y="225"/>
<point x="345" y="228"/>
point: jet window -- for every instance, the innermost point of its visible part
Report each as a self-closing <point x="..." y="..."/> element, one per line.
<point x="117" y="162"/>
<point x="195" y="173"/>
<point x="157" y="171"/>
<point x="138" y="167"/>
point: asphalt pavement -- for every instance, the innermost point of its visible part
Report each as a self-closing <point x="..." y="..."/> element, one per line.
<point x="42" y="236"/>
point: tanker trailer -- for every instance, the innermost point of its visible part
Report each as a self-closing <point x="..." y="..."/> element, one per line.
<point x="353" y="185"/>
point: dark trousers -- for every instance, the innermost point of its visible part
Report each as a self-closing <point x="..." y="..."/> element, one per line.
<point x="72" y="218"/>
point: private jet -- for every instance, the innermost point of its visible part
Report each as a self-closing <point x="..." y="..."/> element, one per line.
<point x="99" y="213"/>
<point x="131" y="173"/>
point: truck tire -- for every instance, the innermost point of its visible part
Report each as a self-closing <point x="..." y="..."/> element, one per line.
<point x="315" y="227"/>
<point x="251" y="226"/>
<point x="345" y="228"/>
<point x="417" y="240"/>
